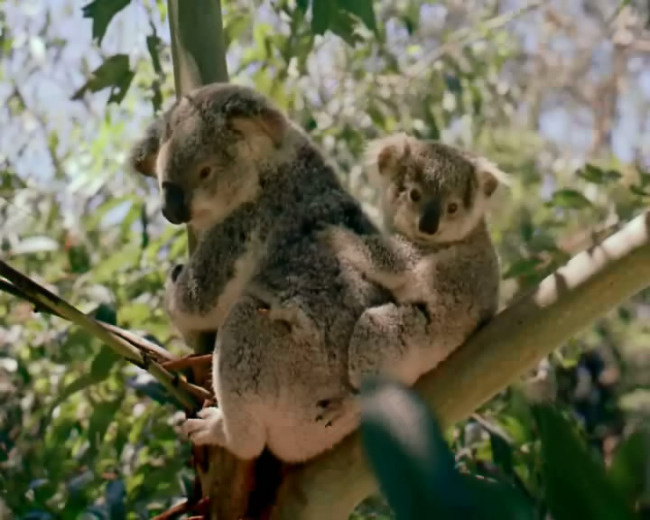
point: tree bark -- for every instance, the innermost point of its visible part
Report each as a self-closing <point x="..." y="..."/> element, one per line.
<point x="589" y="285"/>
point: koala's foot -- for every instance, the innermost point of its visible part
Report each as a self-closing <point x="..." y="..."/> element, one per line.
<point x="238" y="432"/>
<point x="207" y="429"/>
<point x="382" y="342"/>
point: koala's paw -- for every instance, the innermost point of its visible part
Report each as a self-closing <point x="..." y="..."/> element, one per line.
<point x="207" y="429"/>
<point x="176" y="272"/>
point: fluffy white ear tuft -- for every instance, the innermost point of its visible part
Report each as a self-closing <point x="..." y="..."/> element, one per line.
<point x="382" y="156"/>
<point x="490" y="176"/>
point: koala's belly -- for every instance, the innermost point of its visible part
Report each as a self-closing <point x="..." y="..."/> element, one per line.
<point x="282" y="378"/>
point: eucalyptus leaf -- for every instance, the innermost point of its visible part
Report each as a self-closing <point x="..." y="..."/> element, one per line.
<point x="102" y="12"/>
<point x="576" y="484"/>
<point x="569" y="199"/>
<point x="630" y="467"/>
<point x="114" y="74"/>
<point x="363" y="9"/>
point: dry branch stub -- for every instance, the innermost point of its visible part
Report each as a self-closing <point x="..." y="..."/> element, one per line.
<point x="118" y="342"/>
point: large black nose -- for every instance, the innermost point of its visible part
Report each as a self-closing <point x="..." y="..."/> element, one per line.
<point x="430" y="218"/>
<point x="175" y="209"/>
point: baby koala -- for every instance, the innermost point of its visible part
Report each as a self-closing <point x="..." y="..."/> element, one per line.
<point x="438" y="260"/>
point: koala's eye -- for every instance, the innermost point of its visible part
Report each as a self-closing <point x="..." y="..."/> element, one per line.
<point x="415" y="195"/>
<point x="452" y="207"/>
<point x="204" y="173"/>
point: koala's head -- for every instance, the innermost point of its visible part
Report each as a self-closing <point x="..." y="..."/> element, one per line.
<point x="431" y="192"/>
<point x="209" y="152"/>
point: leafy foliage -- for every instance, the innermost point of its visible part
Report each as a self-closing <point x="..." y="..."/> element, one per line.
<point x="418" y="475"/>
<point x="499" y="83"/>
<point x="102" y="12"/>
<point x="417" y="470"/>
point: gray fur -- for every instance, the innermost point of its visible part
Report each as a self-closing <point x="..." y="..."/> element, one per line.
<point x="261" y="256"/>
<point x="446" y="284"/>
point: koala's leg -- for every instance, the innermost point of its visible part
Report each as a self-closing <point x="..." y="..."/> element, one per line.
<point x="384" y="342"/>
<point x="238" y="422"/>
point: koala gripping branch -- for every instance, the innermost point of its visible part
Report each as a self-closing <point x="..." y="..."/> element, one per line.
<point x="564" y="303"/>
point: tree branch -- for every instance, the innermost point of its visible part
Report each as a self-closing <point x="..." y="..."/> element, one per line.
<point x="566" y="302"/>
<point x="159" y="353"/>
<point x="186" y="393"/>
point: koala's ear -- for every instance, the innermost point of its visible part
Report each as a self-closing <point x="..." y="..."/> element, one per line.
<point x="144" y="153"/>
<point x="382" y="156"/>
<point x="270" y="124"/>
<point x="490" y="177"/>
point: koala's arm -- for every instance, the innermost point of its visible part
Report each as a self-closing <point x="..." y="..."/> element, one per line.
<point x="199" y="294"/>
<point x="383" y="260"/>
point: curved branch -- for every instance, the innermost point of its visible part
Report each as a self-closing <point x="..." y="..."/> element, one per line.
<point x="186" y="393"/>
<point x="589" y="285"/>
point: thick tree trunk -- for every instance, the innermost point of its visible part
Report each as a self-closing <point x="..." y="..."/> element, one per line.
<point x="199" y="57"/>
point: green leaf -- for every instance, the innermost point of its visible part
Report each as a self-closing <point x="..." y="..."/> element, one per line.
<point x="501" y="451"/>
<point x="99" y="370"/>
<point x="237" y="25"/>
<point x="364" y="10"/>
<point x="102" y="12"/>
<point x="630" y="468"/>
<point x="499" y="501"/>
<point x="639" y="191"/>
<point x="114" y="73"/>
<point x="105" y="313"/>
<point x="101" y="418"/>
<point x="576" y="484"/>
<point x="569" y="199"/>
<point x="322" y="14"/>
<point x="79" y="259"/>
<point x="154" y="44"/>
<point x="409" y="455"/>
<point x="522" y="267"/>
<point x="103" y="363"/>
<point x="415" y="467"/>
<point x="597" y="175"/>
<point x="343" y="24"/>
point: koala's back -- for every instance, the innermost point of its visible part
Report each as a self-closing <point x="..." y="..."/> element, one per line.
<point x="288" y="373"/>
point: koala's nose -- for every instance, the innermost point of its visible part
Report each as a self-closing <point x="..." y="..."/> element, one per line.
<point x="430" y="218"/>
<point x="175" y="208"/>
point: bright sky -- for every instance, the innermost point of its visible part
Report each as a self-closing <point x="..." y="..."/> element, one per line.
<point x="51" y="86"/>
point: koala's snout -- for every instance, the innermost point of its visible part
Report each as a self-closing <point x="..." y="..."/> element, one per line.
<point x="430" y="218"/>
<point x="175" y="208"/>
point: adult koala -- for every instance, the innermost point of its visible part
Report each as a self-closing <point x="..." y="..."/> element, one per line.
<point x="260" y="194"/>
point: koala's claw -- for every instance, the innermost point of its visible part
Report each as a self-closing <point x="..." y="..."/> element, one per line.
<point x="207" y="429"/>
<point x="176" y="272"/>
<point x="331" y="410"/>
